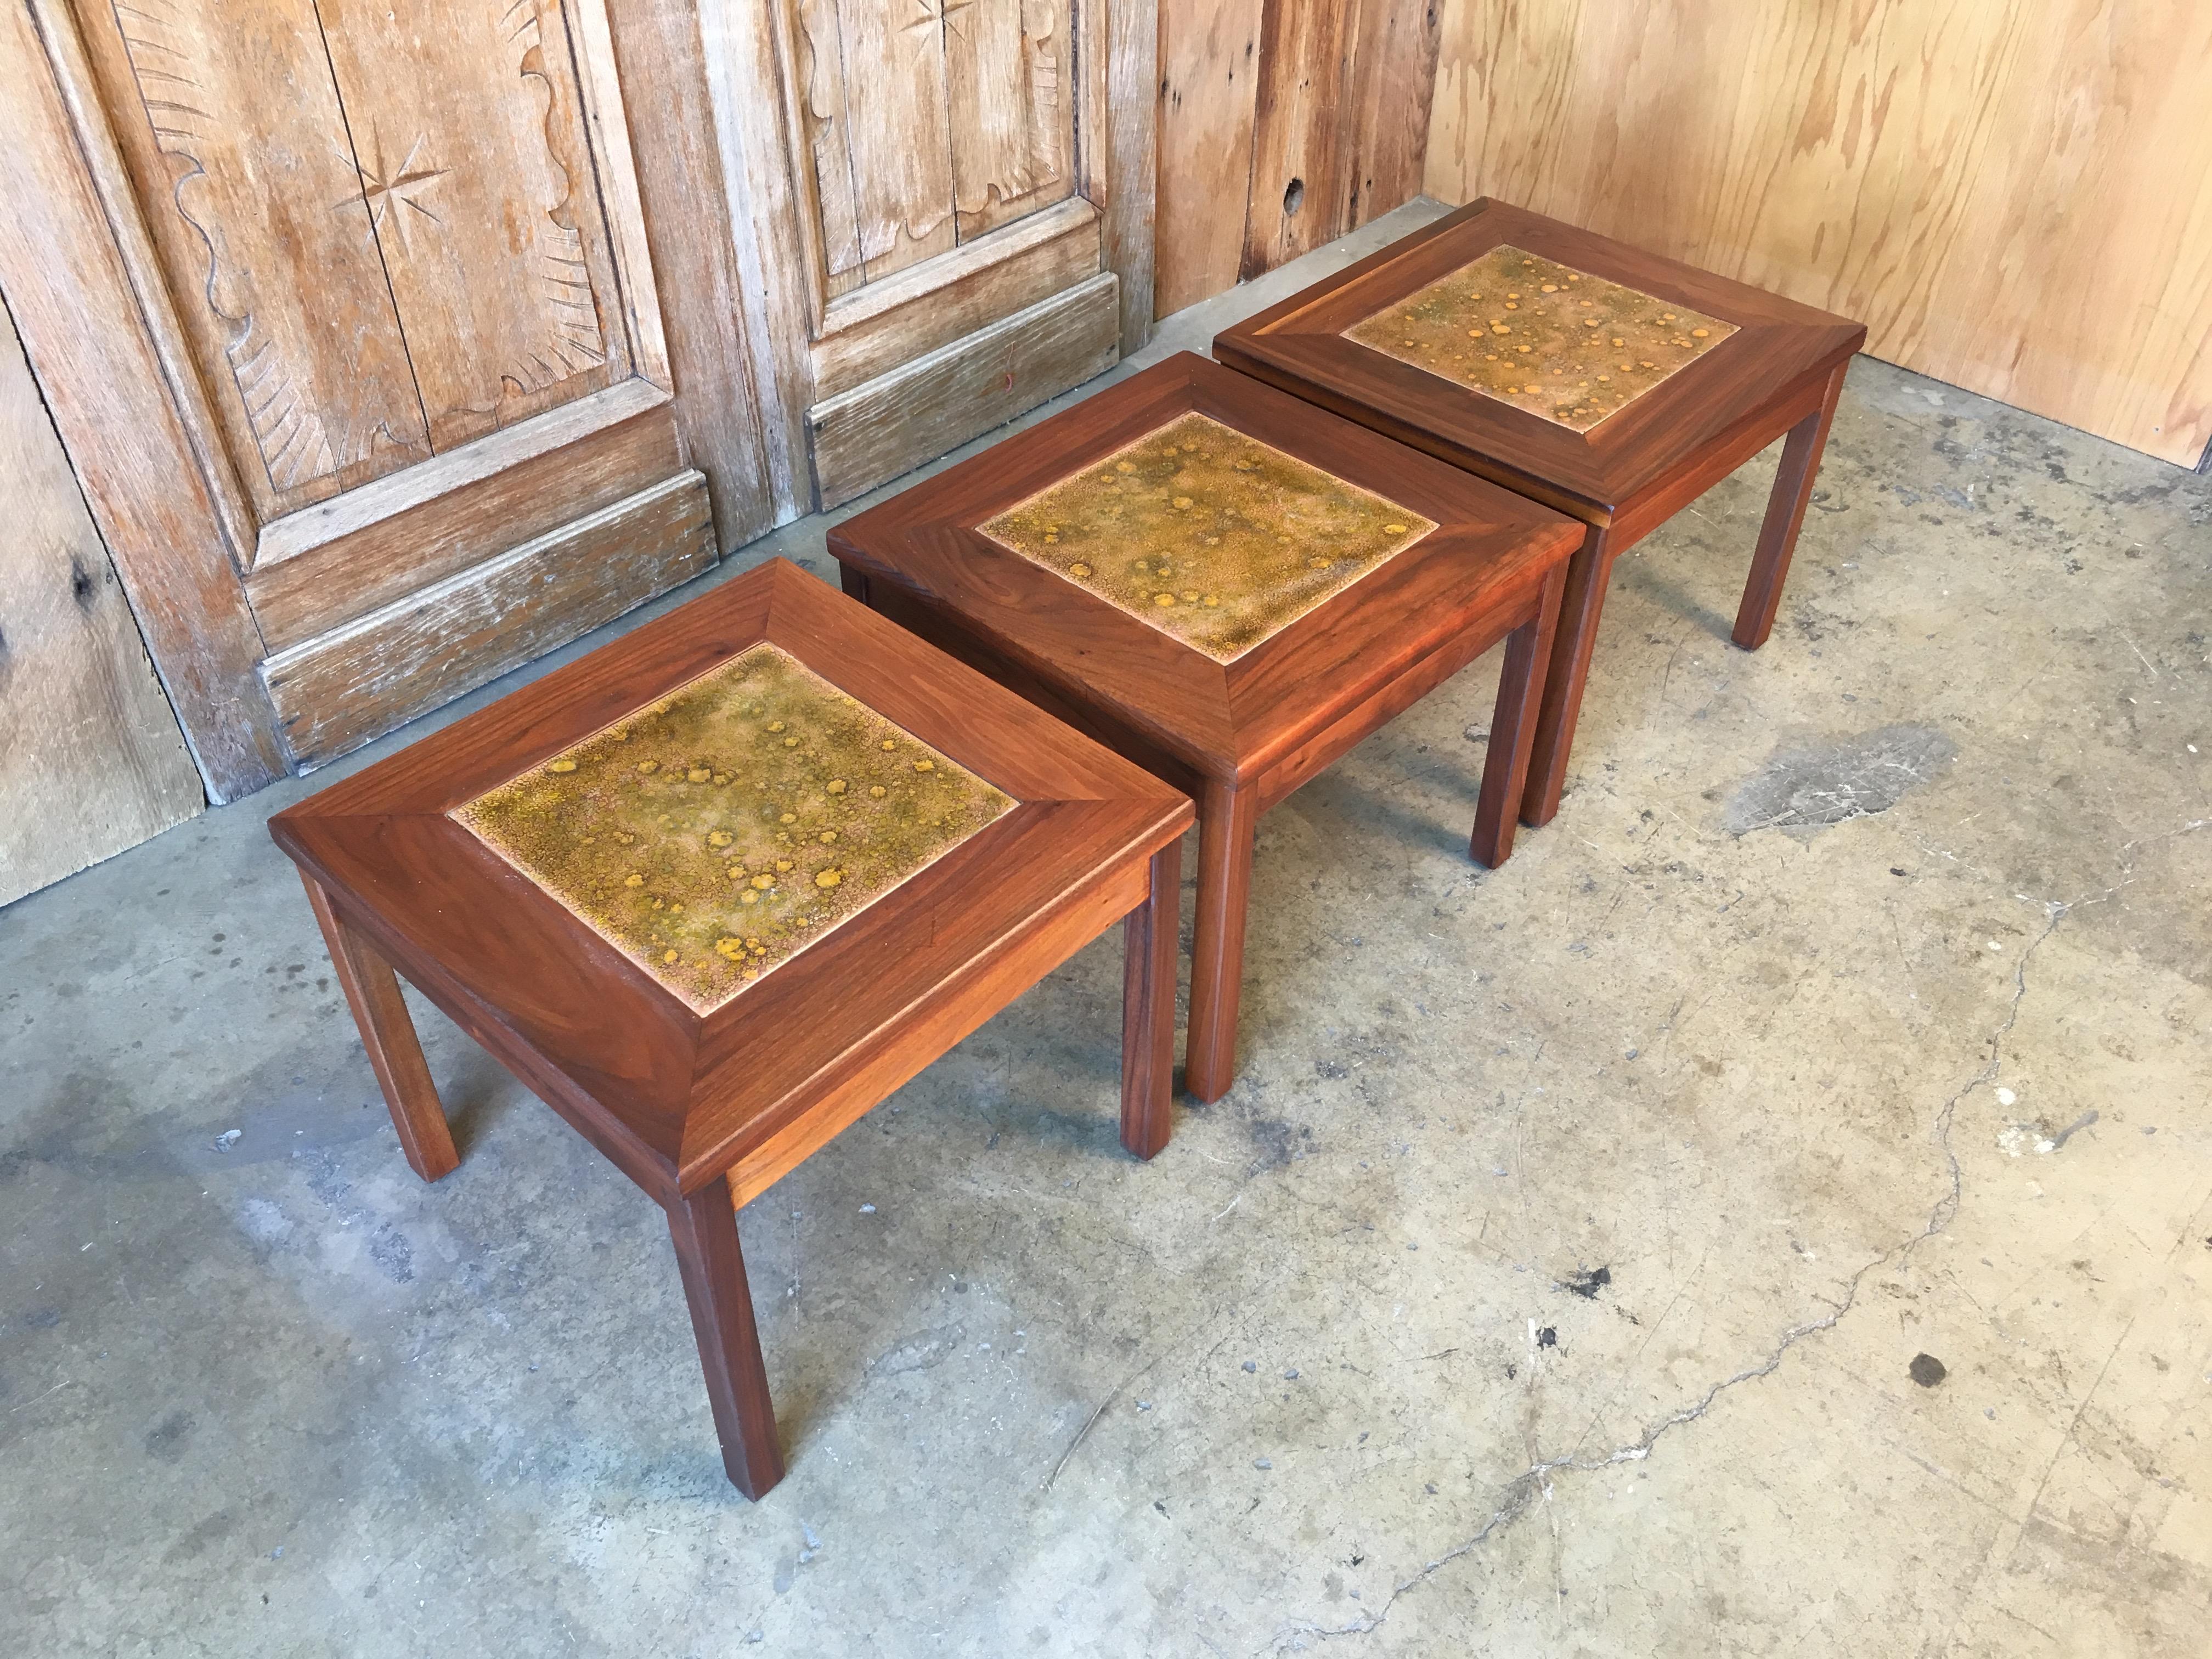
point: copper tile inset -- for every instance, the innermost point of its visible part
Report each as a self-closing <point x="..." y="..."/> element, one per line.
<point x="1543" y="337"/>
<point x="1209" y="536"/>
<point x="717" y="833"/>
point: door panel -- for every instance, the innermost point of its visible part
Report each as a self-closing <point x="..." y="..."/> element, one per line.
<point x="1012" y="123"/>
<point x="467" y="127"/>
<point x="400" y="241"/>
<point x="237" y="145"/>
<point x="875" y="87"/>
<point x="942" y="187"/>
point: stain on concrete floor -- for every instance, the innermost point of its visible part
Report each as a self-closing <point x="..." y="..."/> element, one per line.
<point x="1809" y="786"/>
<point x="1320" y="1377"/>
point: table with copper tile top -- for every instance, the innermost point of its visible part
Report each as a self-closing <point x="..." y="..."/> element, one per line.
<point x="1609" y="383"/>
<point x="1231" y="587"/>
<point x="715" y="890"/>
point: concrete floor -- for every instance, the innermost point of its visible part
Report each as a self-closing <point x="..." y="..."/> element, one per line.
<point x="1552" y="1282"/>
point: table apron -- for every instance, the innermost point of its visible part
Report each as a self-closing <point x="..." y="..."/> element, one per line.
<point x="530" y="1068"/>
<point x="865" y="1075"/>
<point x="1645" y="512"/>
<point x="1312" y="755"/>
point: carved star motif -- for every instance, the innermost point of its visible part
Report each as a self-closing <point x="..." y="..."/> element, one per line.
<point x="936" y="14"/>
<point x="384" y="192"/>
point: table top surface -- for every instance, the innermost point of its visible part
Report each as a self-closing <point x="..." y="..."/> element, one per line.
<point x="1221" y="565"/>
<point x="1578" y="369"/>
<point x="1566" y="345"/>
<point x="834" y="829"/>
<point x="1213" y="537"/>
<point x="715" y="833"/>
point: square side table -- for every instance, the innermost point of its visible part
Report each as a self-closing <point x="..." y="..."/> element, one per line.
<point x="1609" y="383"/>
<point x="713" y="891"/>
<point x="1231" y="587"/>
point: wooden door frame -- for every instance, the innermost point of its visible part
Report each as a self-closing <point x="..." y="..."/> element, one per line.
<point x="99" y="325"/>
<point x="1117" y="172"/>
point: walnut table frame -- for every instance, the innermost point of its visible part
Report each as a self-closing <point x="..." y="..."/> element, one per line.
<point x="1238" y="730"/>
<point x="1758" y="367"/>
<point x="705" y="1106"/>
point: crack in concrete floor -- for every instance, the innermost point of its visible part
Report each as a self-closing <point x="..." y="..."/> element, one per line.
<point x="1522" y="1490"/>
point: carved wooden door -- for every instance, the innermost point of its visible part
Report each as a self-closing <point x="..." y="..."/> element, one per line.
<point x="392" y="258"/>
<point x="961" y="225"/>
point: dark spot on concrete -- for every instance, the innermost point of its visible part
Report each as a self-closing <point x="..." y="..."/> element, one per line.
<point x="1896" y="870"/>
<point x="2073" y="1129"/>
<point x="1926" y="1370"/>
<point x="1587" y="1285"/>
<point x="1548" y="1338"/>
<point x="388" y="1248"/>
<point x="165" y="1439"/>
<point x="1807" y="787"/>
<point x="43" y="1319"/>
<point x="203" y="1537"/>
<point x="921" y="1352"/>
<point x="1331" y="1069"/>
<point x="1273" y="1141"/>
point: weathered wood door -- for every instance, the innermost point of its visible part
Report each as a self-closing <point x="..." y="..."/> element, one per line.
<point x="390" y="258"/>
<point x="952" y="201"/>
<point x="91" y="761"/>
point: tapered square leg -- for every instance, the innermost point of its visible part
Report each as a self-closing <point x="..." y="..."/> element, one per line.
<point x="1785" y="513"/>
<point x="1513" y="727"/>
<point x="1148" y="991"/>
<point x="1573" y="638"/>
<point x="371" y="990"/>
<point x="704" y="1227"/>
<point x="1227" y="821"/>
<point x="854" y="581"/>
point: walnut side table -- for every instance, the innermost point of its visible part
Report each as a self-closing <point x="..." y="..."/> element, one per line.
<point x="1609" y="383"/>
<point x="1231" y="587"/>
<point x="713" y="891"/>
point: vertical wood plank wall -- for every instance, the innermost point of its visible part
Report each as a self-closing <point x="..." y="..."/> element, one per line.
<point x="91" y="760"/>
<point x="1283" y="123"/>
<point x="2016" y="199"/>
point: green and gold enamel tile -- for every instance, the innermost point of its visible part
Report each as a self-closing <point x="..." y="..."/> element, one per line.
<point x="1209" y="536"/>
<point x="1543" y="337"/>
<point x="713" y="836"/>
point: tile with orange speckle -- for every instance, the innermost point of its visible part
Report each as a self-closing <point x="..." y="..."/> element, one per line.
<point x="716" y="833"/>
<point x="1543" y="337"/>
<point x="1210" y="536"/>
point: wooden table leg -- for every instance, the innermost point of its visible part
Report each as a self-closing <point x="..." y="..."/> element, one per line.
<point x="1513" y="727"/>
<point x="705" y="1229"/>
<point x="1228" y="817"/>
<point x="1785" y="511"/>
<point x="1148" y="989"/>
<point x="373" y="991"/>
<point x="1588" y="574"/>
<point x="854" y="581"/>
